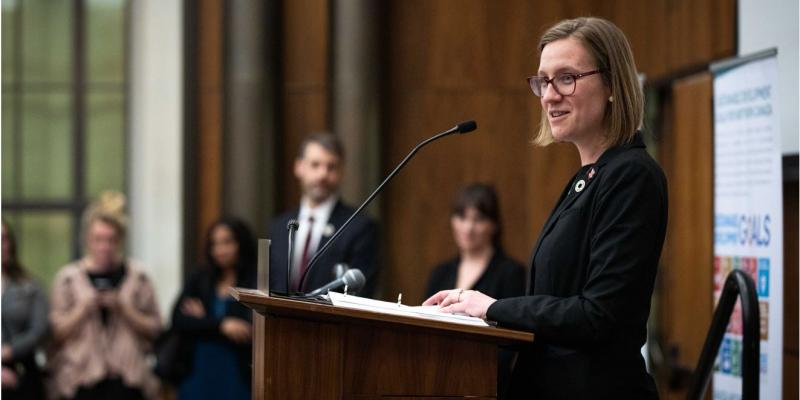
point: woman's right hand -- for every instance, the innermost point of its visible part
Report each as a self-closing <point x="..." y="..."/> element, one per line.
<point x="89" y="302"/>
<point x="236" y="329"/>
<point x="193" y="307"/>
<point x="71" y="308"/>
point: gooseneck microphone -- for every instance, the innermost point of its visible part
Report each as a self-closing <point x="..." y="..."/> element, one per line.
<point x="339" y="269"/>
<point x="354" y="280"/>
<point x="464" y="127"/>
<point x="292" y="227"/>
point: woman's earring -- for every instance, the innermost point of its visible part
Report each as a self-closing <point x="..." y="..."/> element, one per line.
<point x="610" y="99"/>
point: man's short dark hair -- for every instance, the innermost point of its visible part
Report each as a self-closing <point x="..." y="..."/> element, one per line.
<point x="327" y="140"/>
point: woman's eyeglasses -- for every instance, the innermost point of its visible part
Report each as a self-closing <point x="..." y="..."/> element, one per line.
<point x="564" y="84"/>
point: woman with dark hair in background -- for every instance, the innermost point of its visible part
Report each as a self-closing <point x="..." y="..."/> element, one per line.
<point x="219" y="328"/>
<point x="481" y="263"/>
<point x="24" y="307"/>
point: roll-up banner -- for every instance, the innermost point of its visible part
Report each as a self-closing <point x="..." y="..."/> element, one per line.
<point x="748" y="212"/>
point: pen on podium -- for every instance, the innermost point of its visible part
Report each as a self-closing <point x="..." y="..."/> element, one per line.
<point x="399" y="299"/>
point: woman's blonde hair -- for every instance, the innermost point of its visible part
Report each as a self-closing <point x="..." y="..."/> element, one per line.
<point x="110" y="209"/>
<point x="612" y="55"/>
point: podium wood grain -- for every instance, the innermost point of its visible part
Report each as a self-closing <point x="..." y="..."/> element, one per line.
<point x="304" y="350"/>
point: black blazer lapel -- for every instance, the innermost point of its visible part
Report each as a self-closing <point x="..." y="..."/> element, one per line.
<point x="604" y="158"/>
<point x="545" y="229"/>
<point x="572" y="197"/>
<point x="558" y="211"/>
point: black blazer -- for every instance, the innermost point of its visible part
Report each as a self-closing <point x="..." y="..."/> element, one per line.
<point x="504" y="277"/>
<point x="201" y="285"/>
<point x="357" y="247"/>
<point x="593" y="272"/>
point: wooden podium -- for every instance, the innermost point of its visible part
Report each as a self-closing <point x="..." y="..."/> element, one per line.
<point x="307" y="350"/>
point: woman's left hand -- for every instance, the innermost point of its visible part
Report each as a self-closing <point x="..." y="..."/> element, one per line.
<point x="193" y="307"/>
<point x="459" y="301"/>
<point x="236" y="329"/>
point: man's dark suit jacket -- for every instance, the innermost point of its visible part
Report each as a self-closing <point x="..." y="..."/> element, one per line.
<point x="592" y="277"/>
<point x="357" y="247"/>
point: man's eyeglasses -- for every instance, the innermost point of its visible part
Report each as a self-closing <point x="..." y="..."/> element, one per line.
<point x="564" y="84"/>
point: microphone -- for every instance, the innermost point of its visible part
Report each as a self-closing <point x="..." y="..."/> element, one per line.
<point x="292" y="227"/>
<point x="466" y="126"/>
<point x="353" y="279"/>
<point x="463" y="127"/>
<point x="339" y="269"/>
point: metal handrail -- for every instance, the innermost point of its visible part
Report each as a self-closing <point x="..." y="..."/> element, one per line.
<point x="737" y="284"/>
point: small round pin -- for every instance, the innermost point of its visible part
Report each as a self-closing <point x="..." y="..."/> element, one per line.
<point x="329" y="230"/>
<point x="580" y="185"/>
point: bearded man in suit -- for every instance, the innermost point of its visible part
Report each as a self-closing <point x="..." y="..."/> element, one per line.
<point x="318" y="169"/>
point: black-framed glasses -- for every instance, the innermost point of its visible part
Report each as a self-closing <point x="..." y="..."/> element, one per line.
<point x="564" y="84"/>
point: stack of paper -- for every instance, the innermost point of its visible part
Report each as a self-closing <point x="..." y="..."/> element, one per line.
<point x="385" y="307"/>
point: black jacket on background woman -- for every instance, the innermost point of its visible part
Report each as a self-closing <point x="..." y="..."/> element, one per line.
<point x="502" y="278"/>
<point x="202" y="285"/>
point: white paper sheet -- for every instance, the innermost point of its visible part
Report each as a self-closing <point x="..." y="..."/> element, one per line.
<point x="385" y="307"/>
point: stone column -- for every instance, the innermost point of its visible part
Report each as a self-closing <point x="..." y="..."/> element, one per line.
<point x="250" y="111"/>
<point x="356" y="95"/>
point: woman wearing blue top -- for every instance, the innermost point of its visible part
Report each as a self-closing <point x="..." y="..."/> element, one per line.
<point x="218" y="327"/>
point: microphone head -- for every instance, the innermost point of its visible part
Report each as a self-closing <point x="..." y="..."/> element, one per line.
<point x="466" y="126"/>
<point x="354" y="279"/>
<point x="339" y="269"/>
<point x="292" y="225"/>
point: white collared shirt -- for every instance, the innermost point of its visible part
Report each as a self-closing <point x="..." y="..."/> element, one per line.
<point x="321" y="214"/>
